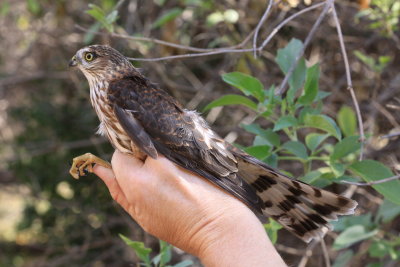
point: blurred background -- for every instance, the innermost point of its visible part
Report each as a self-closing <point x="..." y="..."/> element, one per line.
<point x="49" y="219"/>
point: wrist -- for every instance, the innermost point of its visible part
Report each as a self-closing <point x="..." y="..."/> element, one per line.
<point x="237" y="238"/>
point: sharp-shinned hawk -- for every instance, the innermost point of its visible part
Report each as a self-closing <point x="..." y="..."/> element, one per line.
<point x="143" y="120"/>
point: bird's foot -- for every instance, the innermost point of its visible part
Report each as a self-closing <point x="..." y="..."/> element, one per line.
<point x="84" y="164"/>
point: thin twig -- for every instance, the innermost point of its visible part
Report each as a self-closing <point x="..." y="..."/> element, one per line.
<point x="144" y="39"/>
<point x="215" y="52"/>
<point x="282" y="87"/>
<point x="164" y="43"/>
<point x="349" y="82"/>
<point x="260" y="23"/>
<point x="308" y="253"/>
<point x="390" y="135"/>
<point x="325" y="253"/>
<point x="286" y="21"/>
<point x="204" y="51"/>
<point x="385" y="180"/>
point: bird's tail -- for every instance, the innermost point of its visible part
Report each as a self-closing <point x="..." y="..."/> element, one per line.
<point x="301" y="208"/>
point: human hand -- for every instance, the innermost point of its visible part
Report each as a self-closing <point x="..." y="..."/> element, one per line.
<point x="188" y="212"/>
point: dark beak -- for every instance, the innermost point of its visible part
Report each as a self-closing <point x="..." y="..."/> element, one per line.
<point x="73" y="62"/>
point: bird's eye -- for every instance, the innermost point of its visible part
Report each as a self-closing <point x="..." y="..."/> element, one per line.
<point x="89" y="56"/>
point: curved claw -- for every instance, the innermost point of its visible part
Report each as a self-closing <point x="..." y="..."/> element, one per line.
<point x="84" y="164"/>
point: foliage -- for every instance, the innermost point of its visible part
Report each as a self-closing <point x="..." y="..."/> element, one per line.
<point x="162" y="259"/>
<point x="376" y="65"/>
<point x="311" y="137"/>
<point x="384" y="15"/>
<point x="101" y="16"/>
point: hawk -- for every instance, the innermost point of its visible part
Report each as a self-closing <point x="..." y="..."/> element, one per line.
<point x="143" y="120"/>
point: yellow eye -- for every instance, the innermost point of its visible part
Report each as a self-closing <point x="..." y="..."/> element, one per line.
<point x="89" y="56"/>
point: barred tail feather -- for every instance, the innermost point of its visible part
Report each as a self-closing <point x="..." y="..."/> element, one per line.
<point x="301" y="208"/>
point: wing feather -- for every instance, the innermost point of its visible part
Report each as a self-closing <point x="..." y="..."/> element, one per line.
<point x="135" y="131"/>
<point x="158" y="125"/>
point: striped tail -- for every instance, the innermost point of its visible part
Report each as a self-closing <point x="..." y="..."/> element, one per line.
<point x="302" y="209"/>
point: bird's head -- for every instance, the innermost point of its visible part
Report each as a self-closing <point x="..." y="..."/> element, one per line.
<point x="100" y="62"/>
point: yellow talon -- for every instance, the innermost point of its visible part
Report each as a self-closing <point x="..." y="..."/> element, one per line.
<point x="83" y="164"/>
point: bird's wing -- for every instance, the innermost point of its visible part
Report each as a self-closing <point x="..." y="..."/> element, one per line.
<point x="153" y="119"/>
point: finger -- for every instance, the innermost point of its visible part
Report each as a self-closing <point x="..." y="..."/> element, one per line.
<point x="108" y="177"/>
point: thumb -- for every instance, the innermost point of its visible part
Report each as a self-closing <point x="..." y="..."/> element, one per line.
<point x="108" y="177"/>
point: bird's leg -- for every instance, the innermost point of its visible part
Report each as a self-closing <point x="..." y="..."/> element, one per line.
<point x="84" y="164"/>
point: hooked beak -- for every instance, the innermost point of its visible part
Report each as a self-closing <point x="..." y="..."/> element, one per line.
<point x="73" y="62"/>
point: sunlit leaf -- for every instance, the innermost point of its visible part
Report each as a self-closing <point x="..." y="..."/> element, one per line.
<point x="271" y="137"/>
<point x="347" y="121"/>
<point x="313" y="140"/>
<point x="352" y="235"/>
<point x="169" y="15"/>
<point x="245" y="83"/>
<point x="311" y="177"/>
<point x="231" y="100"/>
<point x="345" y="147"/>
<point x="296" y="148"/>
<point x="371" y="170"/>
<point x="285" y="122"/>
<point x="285" y="58"/>
<point x="260" y="152"/>
<point x="310" y="86"/>
<point x="141" y="251"/>
<point x="323" y="123"/>
<point x="337" y="168"/>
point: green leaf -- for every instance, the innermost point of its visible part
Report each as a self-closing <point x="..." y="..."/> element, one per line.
<point x="268" y="135"/>
<point x="296" y="148"/>
<point x="378" y="249"/>
<point x="272" y="228"/>
<point x="164" y="256"/>
<point x="313" y="140"/>
<point x="307" y="110"/>
<point x="345" y="222"/>
<point x="231" y="100"/>
<point x="245" y="83"/>
<point x="33" y="6"/>
<point x="347" y="121"/>
<point x="4" y="9"/>
<point x="141" y="251"/>
<point x="323" y="123"/>
<point x="310" y="86"/>
<point x="367" y="60"/>
<point x="338" y="169"/>
<point x="272" y="160"/>
<point x="343" y="259"/>
<point x="285" y="58"/>
<point x="345" y="147"/>
<point x="184" y="263"/>
<point x="285" y="122"/>
<point x="388" y="211"/>
<point x="106" y="21"/>
<point x="321" y="95"/>
<point x="371" y="170"/>
<point x="352" y="235"/>
<point x="96" y="12"/>
<point x="167" y="16"/>
<point x="112" y="17"/>
<point x="311" y="177"/>
<point x="260" y="152"/>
